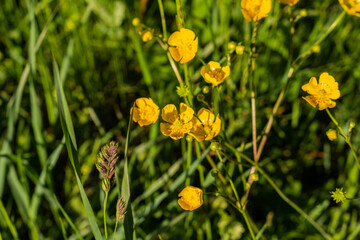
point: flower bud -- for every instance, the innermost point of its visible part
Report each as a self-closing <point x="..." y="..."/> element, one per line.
<point x="189" y="138"/>
<point x="240" y="50"/>
<point x="303" y="13"/>
<point x="200" y="97"/>
<point x="331" y="134"/>
<point x="214" y="146"/>
<point x="351" y="125"/>
<point x="135" y="22"/>
<point x="316" y="49"/>
<point x="254" y="177"/>
<point x="206" y="90"/>
<point x="231" y="46"/>
<point x="146" y="36"/>
<point x="215" y="173"/>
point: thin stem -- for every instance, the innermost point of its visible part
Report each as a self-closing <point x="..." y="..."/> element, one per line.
<point x="211" y="162"/>
<point x="179" y="16"/>
<point x="251" y="63"/>
<point x="188" y="162"/>
<point x="115" y="229"/>
<point x="248" y="224"/>
<point x="347" y="138"/>
<point x="231" y="182"/>
<point x="163" y="21"/>
<point x="293" y="205"/>
<point x="105" y="203"/>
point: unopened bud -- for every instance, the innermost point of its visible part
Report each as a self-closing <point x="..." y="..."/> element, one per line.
<point x="200" y="97"/>
<point x="352" y="125"/>
<point x="303" y="13"/>
<point x="135" y="22"/>
<point x="316" y="49"/>
<point x="206" y="90"/>
<point x="254" y="177"/>
<point x="215" y="173"/>
<point x="240" y="50"/>
<point x="231" y="46"/>
<point x="189" y="138"/>
<point x="214" y="146"/>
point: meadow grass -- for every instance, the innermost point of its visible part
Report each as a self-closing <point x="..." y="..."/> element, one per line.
<point x="71" y="71"/>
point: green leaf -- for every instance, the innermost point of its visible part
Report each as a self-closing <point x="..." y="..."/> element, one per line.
<point x="70" y="141"/>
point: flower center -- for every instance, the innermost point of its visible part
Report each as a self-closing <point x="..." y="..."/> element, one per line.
<point x="177" y="125"/>
<point x="217" y="73"/>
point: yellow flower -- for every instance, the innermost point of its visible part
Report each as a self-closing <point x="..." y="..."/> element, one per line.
<point x="207" y="128"/>
<point x="183" y="45"/>
<point x="146" y="36"/>
<point x="191" y="198"/>
<point x="215" y="74"/>
<point x="352" y="7"/>
<point x="146" y="112"/>
<point x="331" y="134"/>
<point x="290" y="2"/>
<point x="176" y="124"/>
<point x="254" y="10"/>
<point x="323" y="93"/>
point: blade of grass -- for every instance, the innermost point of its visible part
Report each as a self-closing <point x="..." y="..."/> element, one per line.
<point x="32" y="38"/>
<point x="10" y="225"/>
<point x="70" y="141"/>
<point x="125" y="187"/>
<point x="67" y="218"/>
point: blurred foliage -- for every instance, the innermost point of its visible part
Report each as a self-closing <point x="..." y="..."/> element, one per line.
<point x="99" y="53"/>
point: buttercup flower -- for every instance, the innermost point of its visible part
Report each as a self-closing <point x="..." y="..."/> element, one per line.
<point x="331" y="134"/>
<point x="290" y="2"/>
<point x="207" y="128"/>
<point x="352" y="7"/>
<point x="190" y="198"/>
<point x="176" y="124"/>
<point x="183" y="45"/>
<point x="146" y="36"/>
<point x="215" y="74"/>
<point x="254" y="10"/>
<point x="146" y="112"/>
<point x="323" y="93"/>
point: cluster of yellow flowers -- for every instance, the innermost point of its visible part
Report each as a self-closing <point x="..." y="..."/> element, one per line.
<point x="203" y="126"/>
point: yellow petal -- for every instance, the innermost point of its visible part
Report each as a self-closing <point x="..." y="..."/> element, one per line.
<point x="226" y="70"/>
<point x="175" y="39"/>
<point x="165" y="129"/>
<point x="206" y="116"/>
<point x="310" y="100"/>
<point x="325" y="78"/>
<point x="136" y="114"/>
<point x="186" y="112"/>
<point x="203" y="71"/>
<point x="175" y="53"/>
<point x="191" y="198"/>
<point x="141" y="102"/>
<point x="169" y="113"/>
<point x="213" y="65"/>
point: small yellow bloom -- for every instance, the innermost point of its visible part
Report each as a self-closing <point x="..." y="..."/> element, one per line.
<point x="191" y="198"/>
<point x="240" y="50"/>
<point x="231" y="46"/>
<point x="352" y="7"/>
<point x="146" y="36"/>
<point x="176" y="124"/>
<point x="146" y="112"/>
<point x="254" y="10"/>
<point x="207" y="128"/>
<point x="215" y="74"/>
<point x="135" y="22"/>
<point x="290" y="2"/>
<point x="323" y="93"/>
<point x="331" y="134"/>
<point x="183" y="45"/>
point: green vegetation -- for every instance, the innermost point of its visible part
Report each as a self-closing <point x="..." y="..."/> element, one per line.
<point x="70" y="71"/>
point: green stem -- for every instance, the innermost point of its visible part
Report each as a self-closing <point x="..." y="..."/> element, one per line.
<point x="179" y="15"/>
<point x="293" y="205"/>
<point x="105" y="203"/>
<point x="286" y="199"/>
<point x="231" y="182"/>
<point x="163" y="21"/>
<point x="347" y="139"/>
<point x="188" y="164"/>
<point x="248" y="223"/>
<point x="115" y="229"/>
